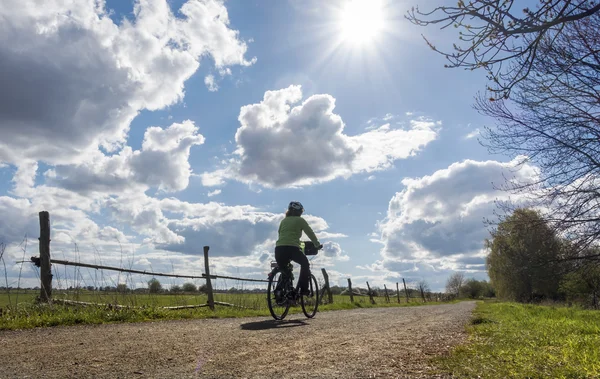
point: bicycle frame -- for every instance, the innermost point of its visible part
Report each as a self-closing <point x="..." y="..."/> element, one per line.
<point x="282" y="293"/>
<point x="286" y="273"/>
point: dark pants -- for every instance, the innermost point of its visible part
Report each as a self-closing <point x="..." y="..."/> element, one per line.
<point x="285" y="254"/>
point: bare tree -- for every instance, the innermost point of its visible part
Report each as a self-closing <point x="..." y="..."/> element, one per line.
<point x="548" y="59"/>
<point x="554" y="122"/>
<point x="492" y="33"/>
<point x="454" y="283"/>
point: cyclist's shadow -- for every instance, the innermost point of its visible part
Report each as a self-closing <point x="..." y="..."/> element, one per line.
<point x="272" y="324"/>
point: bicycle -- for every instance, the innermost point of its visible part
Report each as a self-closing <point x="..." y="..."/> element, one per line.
<point x="281" y="294"/>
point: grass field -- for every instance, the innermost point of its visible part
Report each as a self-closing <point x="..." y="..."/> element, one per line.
<point x="29" y="315"/>
<point x="510" y="340"/>
<point x="135" y="299"/>
<point x="248" y="300"/>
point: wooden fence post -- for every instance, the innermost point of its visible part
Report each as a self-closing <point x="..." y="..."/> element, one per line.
<point x="211" y="300"/>
<point x="327" y="288"/>
<point x="398" y="292"/>
<point x="350" y="290"/>
<point x="405" y="290"/>
<point x="45" y="266"/>
<point x="370" y="294"/>
<point x="387" y="297"/>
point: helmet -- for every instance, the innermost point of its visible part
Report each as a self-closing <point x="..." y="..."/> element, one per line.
<point x="296" y="205"/>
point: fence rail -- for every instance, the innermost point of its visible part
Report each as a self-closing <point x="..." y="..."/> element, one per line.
<point x="36" y="261"/>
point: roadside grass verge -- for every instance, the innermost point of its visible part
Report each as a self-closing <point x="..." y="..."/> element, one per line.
<point x="30" y="315"/>
<point x="510" y="340"/>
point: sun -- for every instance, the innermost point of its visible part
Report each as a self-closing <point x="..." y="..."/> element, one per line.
<point x="361" y="21"/>
<point x="358" y="36"/>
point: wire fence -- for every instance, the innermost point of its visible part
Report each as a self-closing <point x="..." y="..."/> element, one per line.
<point x="86" y="284"/>
<point x="76" y="283"/>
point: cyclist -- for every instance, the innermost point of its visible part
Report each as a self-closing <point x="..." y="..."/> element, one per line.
<point x="287" y="246"/>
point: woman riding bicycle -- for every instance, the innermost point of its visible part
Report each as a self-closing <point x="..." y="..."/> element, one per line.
<point x="287" y="246"/>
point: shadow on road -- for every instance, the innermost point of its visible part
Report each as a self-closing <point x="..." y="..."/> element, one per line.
<point x="272" y="324"/>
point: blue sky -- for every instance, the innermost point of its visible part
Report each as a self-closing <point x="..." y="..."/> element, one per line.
<point x="167" y="128"/>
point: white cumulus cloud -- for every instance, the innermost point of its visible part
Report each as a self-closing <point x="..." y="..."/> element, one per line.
<point x="178" y="226"/>
<point x="73" y="80"/>
<point x="473" y="134"/>
<point x="330" y="254"/>
<point x="282" y="142"/>
<point x="442" y="214"/>
<point x="435" y="225"/>
<point x="210" y="83"/>
<point x="162" y="162"/>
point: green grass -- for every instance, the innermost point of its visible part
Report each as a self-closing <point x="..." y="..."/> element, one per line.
<point x="134" y="299"/>
<point x="45" y="315"/>
<point x="20" y="296"/>
<point x="509" y="340"/>
<point x="27" y="314"/>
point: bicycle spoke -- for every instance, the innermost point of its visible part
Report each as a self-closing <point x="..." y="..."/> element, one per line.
<point x="278" y="304"/>
<point x="310" y="303"/>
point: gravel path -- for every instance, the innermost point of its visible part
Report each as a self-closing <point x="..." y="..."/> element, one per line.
<point x="361" y="343"/>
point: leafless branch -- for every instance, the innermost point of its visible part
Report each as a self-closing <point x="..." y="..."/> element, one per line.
<point x="493" y="34"/>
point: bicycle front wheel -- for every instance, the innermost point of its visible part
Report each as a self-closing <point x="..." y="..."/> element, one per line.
<point x="276" y="298"/>
<point x="310" y="302"/>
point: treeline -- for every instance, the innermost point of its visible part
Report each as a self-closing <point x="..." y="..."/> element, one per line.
<point x="529" y="261"/>
<point x="154" y="286"/>
<point x="459" y="287"/>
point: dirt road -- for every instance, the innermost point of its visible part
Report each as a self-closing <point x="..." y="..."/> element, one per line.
<point x="363" y="343"/>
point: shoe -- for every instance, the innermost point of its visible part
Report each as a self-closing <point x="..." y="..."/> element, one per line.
<point x="307" y="293"/>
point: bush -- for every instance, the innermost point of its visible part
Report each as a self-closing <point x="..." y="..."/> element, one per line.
<point x="189" y="287"/>
<point x="154" y="286"/>
<point x="176" y="289"/>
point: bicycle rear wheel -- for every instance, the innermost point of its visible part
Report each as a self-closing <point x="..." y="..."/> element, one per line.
<point x="278" y="302"/>
<point x="310" y="303"/>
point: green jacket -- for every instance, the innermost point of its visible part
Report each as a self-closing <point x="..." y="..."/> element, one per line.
<point x="290" y="231"/>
